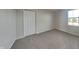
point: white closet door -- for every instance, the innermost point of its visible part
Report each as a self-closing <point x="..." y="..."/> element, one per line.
<point x="29" y="23"/>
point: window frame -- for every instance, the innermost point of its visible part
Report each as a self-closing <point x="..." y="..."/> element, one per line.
<point x="72" y="23"/>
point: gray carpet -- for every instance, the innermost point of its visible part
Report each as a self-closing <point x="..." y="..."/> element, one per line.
<point x="54" y="39"/>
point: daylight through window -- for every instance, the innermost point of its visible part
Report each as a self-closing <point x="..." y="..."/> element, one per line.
<point x="73" y="17"/>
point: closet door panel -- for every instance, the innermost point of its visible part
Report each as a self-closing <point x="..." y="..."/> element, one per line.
<point x="29" y="23"/>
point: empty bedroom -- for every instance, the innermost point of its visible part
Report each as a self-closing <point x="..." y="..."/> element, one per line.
<point x="39" y="29"/>
<point x="47" y="29"/>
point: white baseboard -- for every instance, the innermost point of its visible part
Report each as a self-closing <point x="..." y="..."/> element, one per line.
<point x="67" y="32"/>
<point x="44" y="31"/>
<point x="20" y="37"/>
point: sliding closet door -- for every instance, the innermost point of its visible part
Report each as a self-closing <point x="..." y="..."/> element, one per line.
<point x="29" y="23"/>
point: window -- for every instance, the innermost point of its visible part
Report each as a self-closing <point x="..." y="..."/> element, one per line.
<point x="73" y="17"/>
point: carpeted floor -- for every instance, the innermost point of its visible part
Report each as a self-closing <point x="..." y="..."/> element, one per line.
<point x="54" y="39"/>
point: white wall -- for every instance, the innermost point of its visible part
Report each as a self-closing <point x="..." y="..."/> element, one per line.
<point x="62" y="23"/>
<point x="44" y="20"/>
<point x="19" y="24"/>
<point x="7" y="28"/>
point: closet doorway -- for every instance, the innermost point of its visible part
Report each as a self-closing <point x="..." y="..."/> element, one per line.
<point x="29" y="23"/>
